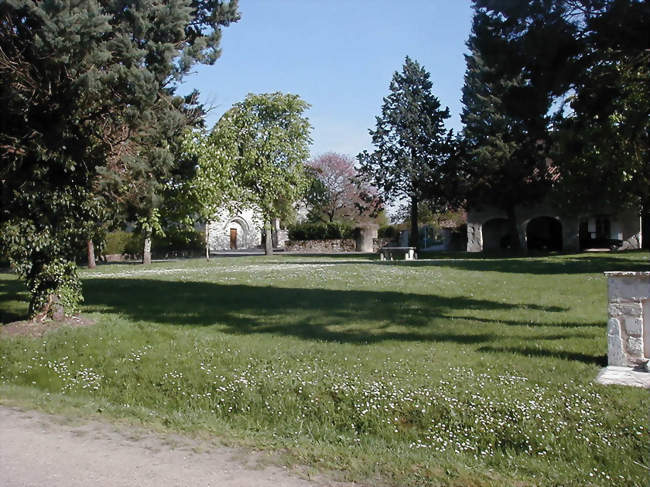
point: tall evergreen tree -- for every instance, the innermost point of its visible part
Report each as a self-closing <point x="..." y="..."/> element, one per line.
<point x="412" y="144"/>
<point x="78" y="79"/>
<point x="516" y="67"/>
<point x="604" y="135"/>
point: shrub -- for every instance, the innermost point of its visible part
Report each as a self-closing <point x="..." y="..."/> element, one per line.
<point x="131" y="243"/>
<point x="179" y="241"/>
<point x="116" y="242"/>
<point x="320" y="231"/>
<point x="388" y="231"/>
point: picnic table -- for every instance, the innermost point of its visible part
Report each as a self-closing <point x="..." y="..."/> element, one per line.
<point x="389" y="253"/>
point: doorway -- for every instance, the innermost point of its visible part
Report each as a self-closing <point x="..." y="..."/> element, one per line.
<point x="233" y="239"/>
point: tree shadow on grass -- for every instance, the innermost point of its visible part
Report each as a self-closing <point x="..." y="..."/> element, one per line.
<point x="567" y="264"/>
<point x="600" y="360"/>
<point x="355" y="317"/>
<point x="540" y="265"/>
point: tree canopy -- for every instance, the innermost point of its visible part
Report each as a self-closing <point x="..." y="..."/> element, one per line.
<point x="336" y="193"/>
<point x="84" y="87"/>
<point x="556" y="101"/>
<point x="267" y="136"/>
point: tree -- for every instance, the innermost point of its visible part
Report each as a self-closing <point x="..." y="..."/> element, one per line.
<point x="518" y="51"/>
<point x="212" y="188"/>
<point x="586" y="59"/>
<point x="412" y="145"/>
<point x="336" y="193"/>
<point x="267" y="137"/>
<point x="603" y="136"/>
<point x="77" y="80"/>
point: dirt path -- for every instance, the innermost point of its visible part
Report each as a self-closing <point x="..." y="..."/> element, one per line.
<point x="41" y="450"/>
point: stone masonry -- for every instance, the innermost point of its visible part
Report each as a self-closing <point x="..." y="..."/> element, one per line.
<point x="628" y="328"/>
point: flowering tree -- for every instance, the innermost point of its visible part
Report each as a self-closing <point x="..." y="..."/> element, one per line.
<point x="336" y="193"/>
<point x="213" y="187"/>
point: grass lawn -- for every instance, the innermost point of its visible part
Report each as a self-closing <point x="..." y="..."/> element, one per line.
<point x="453" y="371"/>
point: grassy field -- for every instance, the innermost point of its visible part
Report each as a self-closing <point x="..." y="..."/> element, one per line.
<point x="453" y="371"/>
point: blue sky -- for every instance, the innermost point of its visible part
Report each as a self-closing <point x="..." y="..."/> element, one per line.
<point x="339" y="56"/>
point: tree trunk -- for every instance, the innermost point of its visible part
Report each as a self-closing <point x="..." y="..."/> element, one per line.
<point x="414" y="233"/>
<point x="146" y="251"/>
<point x="91" y="255"/>
<point x="207" y="240"/>
<point x="515" y="243"/>
<point x="268" y="242"/>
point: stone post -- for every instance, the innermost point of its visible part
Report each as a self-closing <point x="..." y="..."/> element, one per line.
<point x="365" y="236"/>
<point x="474" y="237"/>
<point x="628" y="328"/>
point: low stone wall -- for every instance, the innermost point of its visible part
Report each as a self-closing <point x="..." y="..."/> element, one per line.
<point x="321" y="246"/>
<point x="628" y="328"/>
<point x="378" y="243"/>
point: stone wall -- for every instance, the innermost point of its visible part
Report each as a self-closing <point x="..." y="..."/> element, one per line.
<point x="628" y="328"/>
<point x="321" y="246"/>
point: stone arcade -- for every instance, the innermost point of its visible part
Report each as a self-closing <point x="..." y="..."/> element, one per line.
<point x="544" y="227"/>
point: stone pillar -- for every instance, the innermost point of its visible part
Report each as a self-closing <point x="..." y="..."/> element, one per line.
<point x="474" y="237"/>
<point x="628" y="328"/>
<point x="570" y="234"/>
<point x="365" y="236"/>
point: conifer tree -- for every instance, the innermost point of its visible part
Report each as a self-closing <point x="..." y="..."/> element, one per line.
<point x="411" y="143"/>
<point x="514" y="71"/>
<point x="81" y="83"/>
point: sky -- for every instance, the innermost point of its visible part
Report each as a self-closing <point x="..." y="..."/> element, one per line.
<point x="339" y="56"/>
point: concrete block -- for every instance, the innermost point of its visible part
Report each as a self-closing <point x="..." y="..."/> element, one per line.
<point x="628" y="288"/>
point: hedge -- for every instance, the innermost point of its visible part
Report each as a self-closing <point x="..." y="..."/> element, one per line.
<point x="388" y="231"/>
<point x="320" y="231"/>
<point x="130" y="243"/>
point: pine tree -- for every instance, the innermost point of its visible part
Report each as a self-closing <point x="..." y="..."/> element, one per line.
<point x="513" y="75"/>
<point x="412" y="144"/>
<point x="604" y="139"/>
<point x="81" y="83"/>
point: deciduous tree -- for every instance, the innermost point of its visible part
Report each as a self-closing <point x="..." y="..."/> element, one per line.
<point x="336" y="192"/>
<point x="268" y="136"/>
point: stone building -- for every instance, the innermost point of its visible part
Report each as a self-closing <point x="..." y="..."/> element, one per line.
<point x="545" y="227"/>
<point x="241" y="230"/>
<point x="235" y="231"/>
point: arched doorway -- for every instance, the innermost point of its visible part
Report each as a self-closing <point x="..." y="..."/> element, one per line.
<point x="237" y="234"/>
<point x="496" y="234"/>
<point x="544" y="233"/>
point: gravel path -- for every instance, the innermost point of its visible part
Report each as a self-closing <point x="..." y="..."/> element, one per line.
<point x="41" y="450"/>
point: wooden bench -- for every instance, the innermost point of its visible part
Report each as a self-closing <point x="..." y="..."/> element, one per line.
<point x="389" y="253"/>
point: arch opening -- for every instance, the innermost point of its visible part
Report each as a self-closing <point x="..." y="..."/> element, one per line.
<point x="544" y="233"/>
